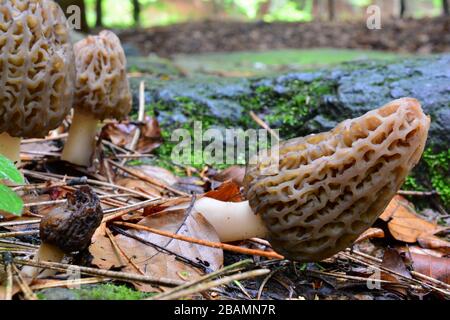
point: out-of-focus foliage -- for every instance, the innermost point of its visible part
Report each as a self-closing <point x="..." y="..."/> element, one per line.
<point x="119" y="13"/>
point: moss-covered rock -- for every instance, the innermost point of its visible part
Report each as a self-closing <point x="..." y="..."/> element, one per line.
<point x="309" y="102"/>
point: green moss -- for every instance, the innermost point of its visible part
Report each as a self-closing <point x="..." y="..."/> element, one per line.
<point x="438" y="166"/>
<point x="109" y="292"/>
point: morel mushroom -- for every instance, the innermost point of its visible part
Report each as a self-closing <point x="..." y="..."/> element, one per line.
<point x="329" y="188"/>
<point x="102" y="92"/>
<point x="68" y="229"/>
<point x="37" y="71"/>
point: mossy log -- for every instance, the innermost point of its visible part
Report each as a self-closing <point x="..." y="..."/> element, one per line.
<point x="309" y="102"/>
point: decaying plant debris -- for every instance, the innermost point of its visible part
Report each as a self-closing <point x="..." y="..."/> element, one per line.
<point x="177" y="254"/>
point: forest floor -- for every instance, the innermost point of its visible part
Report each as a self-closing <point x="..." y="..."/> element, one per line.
<point x="404" y="255"/>
<point x="430" y="35"/>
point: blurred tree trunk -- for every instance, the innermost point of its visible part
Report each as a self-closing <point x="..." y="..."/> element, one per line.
<point x="99" y="13"/>
<point x="137" y="12"/>
<point x="80" y="4"/>
<point x="331" y="10"/>
<point x="402" y="8"/>
<point x="446" y="7"/>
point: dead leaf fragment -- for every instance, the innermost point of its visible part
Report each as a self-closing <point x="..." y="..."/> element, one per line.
<point x="406" y="225"/>
<point x="434" y="267"/>
<point x="157" y="263"/>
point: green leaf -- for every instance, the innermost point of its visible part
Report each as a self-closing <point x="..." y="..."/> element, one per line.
<point x="10" y="202"/>
<point x="9" y="172"/>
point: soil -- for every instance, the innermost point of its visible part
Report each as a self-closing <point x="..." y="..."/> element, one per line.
<point x="430" y="35"/>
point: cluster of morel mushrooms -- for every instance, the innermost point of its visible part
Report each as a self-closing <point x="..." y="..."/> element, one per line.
<point x="321" y="193"/>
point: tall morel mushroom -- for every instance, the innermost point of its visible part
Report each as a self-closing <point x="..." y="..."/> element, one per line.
<point x="37" y="71"/>
<point x="329" y="188"/>
<point x="68" y="229"/>
<point x="102" y="92"/>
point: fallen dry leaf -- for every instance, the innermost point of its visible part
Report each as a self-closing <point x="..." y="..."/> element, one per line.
<point x="138" y="185"/>
<point x="102" y="250"/>
<point x="371" y="233"/>
<point x="435" y="243"/>
<point x="434" y="267"/>
<point x="158" y="173"/>
<point x="393" y="261"/>
<point x="406" y="225"/>
<point x="157" y="263"/>
<point x="228" y="192"/>
<point x="234" y="173"/>
<point x="121" y="135"/>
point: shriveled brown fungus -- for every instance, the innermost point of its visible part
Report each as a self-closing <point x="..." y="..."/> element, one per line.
<point x="330" y="187"/>
<point x="68" y="229"/>
<point x="102" y="92"/>
<point x="37" y="71"/>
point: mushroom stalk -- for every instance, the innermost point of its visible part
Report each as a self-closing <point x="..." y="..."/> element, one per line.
<point x="48" y="253"/>
<point x="233" y="221"/>
<point x="80" y="145"/>
<point x="10" y="147"/>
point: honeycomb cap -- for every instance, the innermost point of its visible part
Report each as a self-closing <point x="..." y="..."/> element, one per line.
<point x="102" y="87"/>
<point x="37" y="71"/>
<point x="331" y="187"/>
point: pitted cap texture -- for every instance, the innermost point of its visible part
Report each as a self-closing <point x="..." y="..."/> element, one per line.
<point x="331" y="187"/>
<point x="102" y="85"/>
<point x="37" y="71"/>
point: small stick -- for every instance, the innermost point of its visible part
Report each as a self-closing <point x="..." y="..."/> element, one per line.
<point x="118" y="212"/>
<point x="417" y="193"/>
<point x="49" y="203"/>
<point x="27" y="292"/>
<point x="9" y="276"/>
<point x="19" y="223"/>
<point x="141" y="116"/>
<point x="41" y="176"/>
<point x="58" y="137"/>
<point x="217" y="245"/>
<point x="101" y="273"/>
<point x="18" y="234"/>
<point x="264" y="125"/>
<point x="215" y="283"/>
<point x="224" y="271"/>
<point x="121" y="252"/>
<point x="68" y="283"/>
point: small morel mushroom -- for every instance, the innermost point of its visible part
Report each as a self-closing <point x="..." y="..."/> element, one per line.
<point x="68" y="229"/>
<point x="37" y="71"/>
<point x="102" y="92"/>
<point x="329" y="187"/>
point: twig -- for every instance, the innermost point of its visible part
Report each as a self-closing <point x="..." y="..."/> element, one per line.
<point x="224" y="271"/>
<point x="417" y="193"/>
<point x="18" y="234"/>
<point x="217" y="245"/>
<point x="212" y="284"/>
<point x="68" y="283"/>
<point x="45" y="177"/>
<point x="264" y="125"/>
<point x="118" y="212"/>
<point x="27" y="292"/>
<point x="141" y="117"/>
<point x="7" y="257"/>
<point x="264" y="282"/>
<point x="19" y="223"/>
<point x="159" y="248"/>
<point x="100" y="272"/>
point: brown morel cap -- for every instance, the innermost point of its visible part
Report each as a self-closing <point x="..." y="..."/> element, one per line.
<point x="37" y="71"/>
<point x="102" y="87"/>
<point x="331" y="187"/>
<point x="71" y="228"/>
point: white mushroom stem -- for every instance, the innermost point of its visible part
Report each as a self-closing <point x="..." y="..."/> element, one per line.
<point x="10" y="147"/>
<point x="47" y="253"/>
<point x="80" y="145"/>
<point x="233" y="221"/>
